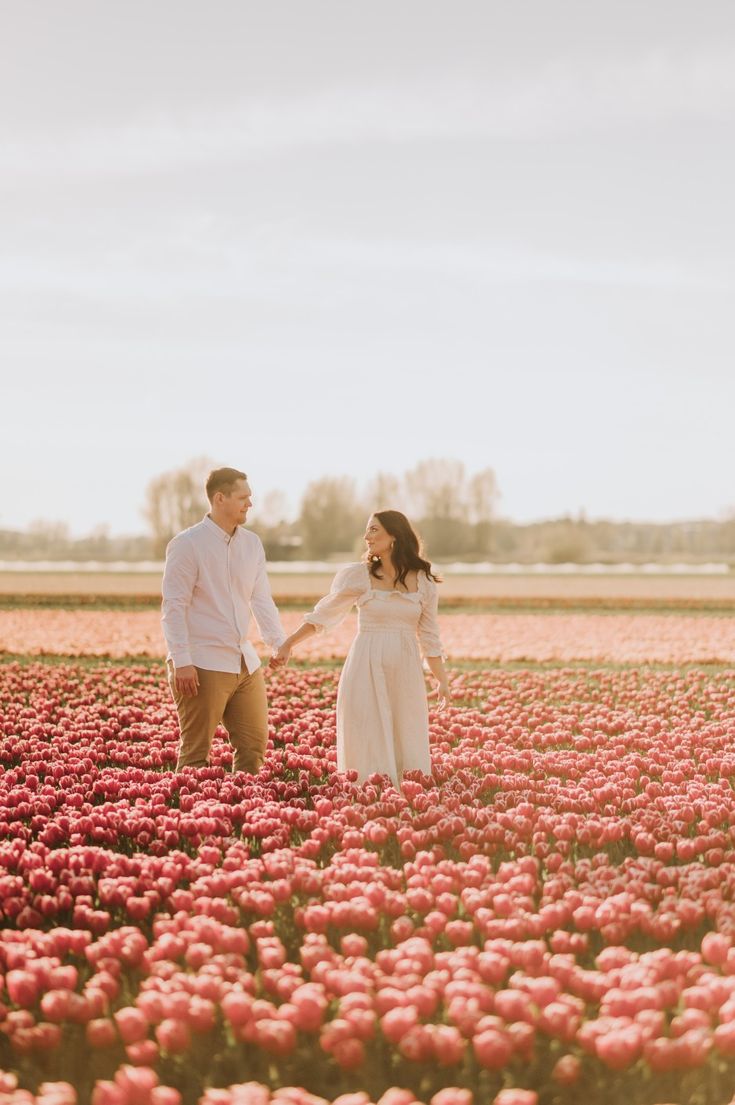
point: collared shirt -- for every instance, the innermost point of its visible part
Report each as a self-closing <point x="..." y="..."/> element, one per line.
<point x="212" y="582"/>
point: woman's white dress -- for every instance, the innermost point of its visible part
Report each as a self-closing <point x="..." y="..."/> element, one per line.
<point x="382" y="712"/>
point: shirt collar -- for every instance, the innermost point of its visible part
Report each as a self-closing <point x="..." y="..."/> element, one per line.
<point x="226" y="537"/>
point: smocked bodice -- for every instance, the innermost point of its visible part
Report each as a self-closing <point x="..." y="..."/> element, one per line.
<point x="389" y="610"/>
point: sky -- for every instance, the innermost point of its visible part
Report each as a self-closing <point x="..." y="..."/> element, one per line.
<point x="337" y="238"/>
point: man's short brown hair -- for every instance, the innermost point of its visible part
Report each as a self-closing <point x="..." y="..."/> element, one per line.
<point x="224" y="480"/>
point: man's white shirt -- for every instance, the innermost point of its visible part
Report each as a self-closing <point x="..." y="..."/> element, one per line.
<point x="212" y="582"/>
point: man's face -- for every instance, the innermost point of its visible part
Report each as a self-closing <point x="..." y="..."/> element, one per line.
<point x="235" y="506"/>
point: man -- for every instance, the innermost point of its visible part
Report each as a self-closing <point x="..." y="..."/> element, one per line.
<point x="213" y="579"/>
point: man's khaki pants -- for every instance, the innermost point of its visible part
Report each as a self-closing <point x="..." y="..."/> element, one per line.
<point x="238" y="702"/>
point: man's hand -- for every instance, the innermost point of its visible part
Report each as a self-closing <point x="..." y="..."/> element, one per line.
<point x="186" y="681"/>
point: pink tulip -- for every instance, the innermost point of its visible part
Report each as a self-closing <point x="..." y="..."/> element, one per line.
<point x="397" y="1022"/>
<point x="493" y="1049"/>
<point x="173" y="1036"/>
<point x="516" y="1097"/>
<point x="132" y="1024"/>
<point x="452" y="1096"/>
<point x="396" y="1096"/>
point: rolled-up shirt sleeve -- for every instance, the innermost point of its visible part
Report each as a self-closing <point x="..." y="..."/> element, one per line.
<point x="348" y="586"/>
<point x="264" y="608"/>
<point x="428" y="627"/>
<point x="179" y="579"/>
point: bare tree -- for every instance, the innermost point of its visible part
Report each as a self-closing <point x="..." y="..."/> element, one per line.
<point x="331" y="519"/>
<point x="482" y="500"/>
<point x="437" y="489"/>
<point x="49" y="538"/>
<point x="272" y="524"/>
<point x="176" y="500"/>
<point x="385" y="492"/>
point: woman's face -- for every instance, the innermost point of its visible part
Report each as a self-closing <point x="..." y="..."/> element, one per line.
<point x="377" y="538"/>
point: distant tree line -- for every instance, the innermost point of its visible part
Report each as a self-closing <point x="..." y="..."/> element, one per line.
<point x="455" y="511"/>
<point x="52" y="541"/>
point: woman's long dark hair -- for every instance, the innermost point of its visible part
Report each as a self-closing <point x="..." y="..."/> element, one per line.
<point x="406" y="551"/>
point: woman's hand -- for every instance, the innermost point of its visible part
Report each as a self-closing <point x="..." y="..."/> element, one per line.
<point x="441" y="693"/>
<point x="440" y="676"/>
<point x="280" y="658"/>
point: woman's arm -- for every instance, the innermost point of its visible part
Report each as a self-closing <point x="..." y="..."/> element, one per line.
<point x="436" y="666"/>
<point x="428" y="634"/>
<point x="347" y="586"/>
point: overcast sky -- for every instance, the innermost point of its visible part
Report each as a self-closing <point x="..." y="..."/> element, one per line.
<point x="311" y="238"/>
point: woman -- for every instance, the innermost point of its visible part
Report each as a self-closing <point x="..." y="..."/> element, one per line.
<point x="382" y="712"/>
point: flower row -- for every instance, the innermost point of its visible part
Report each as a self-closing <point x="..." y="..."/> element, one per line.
<point x="141" y="1086"/>
<point x="505" y="638"/>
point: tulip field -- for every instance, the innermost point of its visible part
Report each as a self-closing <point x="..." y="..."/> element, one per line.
<point x="549" y="919"/>
<point x="504" y="638"/>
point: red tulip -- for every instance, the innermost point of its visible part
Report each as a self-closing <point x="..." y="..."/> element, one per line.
<point x="23" y="988"/>
<point x="567" y="1070"/>
<point x="451" y="1095"/>
<point x="349" y="1054"/>
<point x="396" y="1096"/>
<point x="132" y="1024"/>
<point x="397" y="1022"/>
<point x="165" y="1095"/>
<point x="493" y="1049"/>
<point x="516" y="1097"/>
<point x="275" y="1036"/>
<point x="142" y="1053"/>
<point x="108" y="1093"/>
<point x="715" y="948"/>
<point x="101" y="1033"/>
<point x="448" y="1045"/>
<point x="620" y="1048"/>
<point x="173" y="1036"/>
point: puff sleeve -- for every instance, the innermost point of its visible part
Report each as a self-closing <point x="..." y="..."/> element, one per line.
<point x="428" y="627"/>
<point x="348" y="586"/>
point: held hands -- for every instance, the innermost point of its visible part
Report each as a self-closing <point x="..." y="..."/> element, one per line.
<point x="280" y="658"/>
<point x="186" y="681"/>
